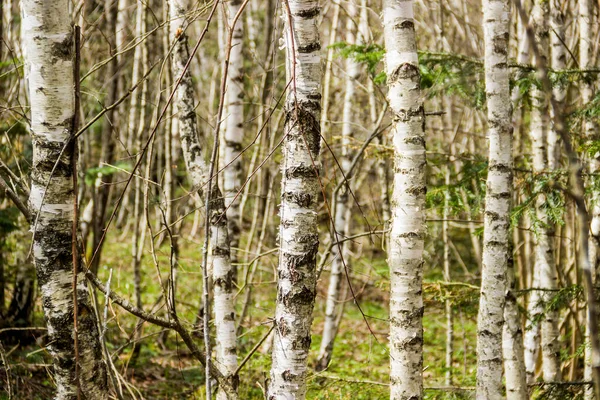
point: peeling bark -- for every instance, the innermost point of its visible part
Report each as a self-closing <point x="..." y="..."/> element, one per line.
<point x="298" y="232"/>
<point x="48" y="44"/>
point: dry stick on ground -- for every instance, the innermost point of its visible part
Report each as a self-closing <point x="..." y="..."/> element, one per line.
<point x="576" y="190"/>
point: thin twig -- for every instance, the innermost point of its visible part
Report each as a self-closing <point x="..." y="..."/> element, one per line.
<point x="74" y="225"/>
<point x="260" y="342"/>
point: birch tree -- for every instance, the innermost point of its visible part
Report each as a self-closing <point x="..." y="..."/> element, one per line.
<point x="234" y="126"/>
<point x="222" y="272"/>
<point x="544" y="266"/>
<point x="408" y="201"/>
<point x="334" y="305"/>
<point x="298" y="233"/>
<point x="76" y="353"/>
<point x="497" y="251"/>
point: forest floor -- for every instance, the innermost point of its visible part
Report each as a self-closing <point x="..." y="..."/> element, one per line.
<point x="360" y="365"/>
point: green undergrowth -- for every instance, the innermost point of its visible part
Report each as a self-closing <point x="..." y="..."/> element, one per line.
<point x="164" y="368"/>
<point x="360" y="365"/>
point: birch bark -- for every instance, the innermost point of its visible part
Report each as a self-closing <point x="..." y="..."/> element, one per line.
<point x="333" y="306"/>
<point x="408" y="201"/>
<point x="234" y="127"/>
<point x="544" y="267"/>
<point x="184" y="98"/>
<point x="222" y="271"/>
<point x="497" y="252"/>
<point x="48" y="45"/>
<point x="222" y="275"/>
<point x="298" y="234"/>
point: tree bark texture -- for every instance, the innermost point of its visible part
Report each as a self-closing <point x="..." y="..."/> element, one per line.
<point x="48" y="44"/>
<point x="408" y="227"/>
<point x="234" y="128"/>
<point x="298" y="233"/>
<point x="497" y="251"/>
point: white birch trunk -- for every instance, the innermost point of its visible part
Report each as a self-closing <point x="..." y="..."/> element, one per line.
<point x="184" y="98"/>
<point x="121" y="24"/>
<point x="333" y="305"/>
<point x="512" y="331"/>
<point x="544" y="249"/>
<point x="531" y="341"/>
<point x="325" y="123"/>
<point x="48" y="45"/>
<point x="298" y="232"/>
<point x="408" y="227"/>
<point x="497" y="252"/>
<point x="234" y="127"/>
<point x="135" y="76"/>
<point x="222" y="272"/>
<point x="222" y="275"/>
<point x="512" y="344"/>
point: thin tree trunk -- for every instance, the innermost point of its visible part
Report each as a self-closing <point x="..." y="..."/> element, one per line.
<point x="325" y="123"/>
<point x="136" y="133"/>
<point x="333" y="305"/>
<point x="135" y="76"/>
<point x="48" y="44"/>
<point x="512" y="342"/>
<point x="408" y="227"/>
<point x="544" y="249"/>
<point x="234" y="129"/>
<point x="512" y="334"/>
<point x="184" y="98"/>
<point x="447" y="133"/>
<point x="382" y="164"/>
<point x="222" y="275"/>
<point x="447" y="129"/>
<point x="497" y="251"/>
<point x="558" y="61"/>
<point x="298" y="232"/>
<point x="198" y="171"/>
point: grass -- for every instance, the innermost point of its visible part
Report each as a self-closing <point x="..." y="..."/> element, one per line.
<point x="360" y="365"/>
